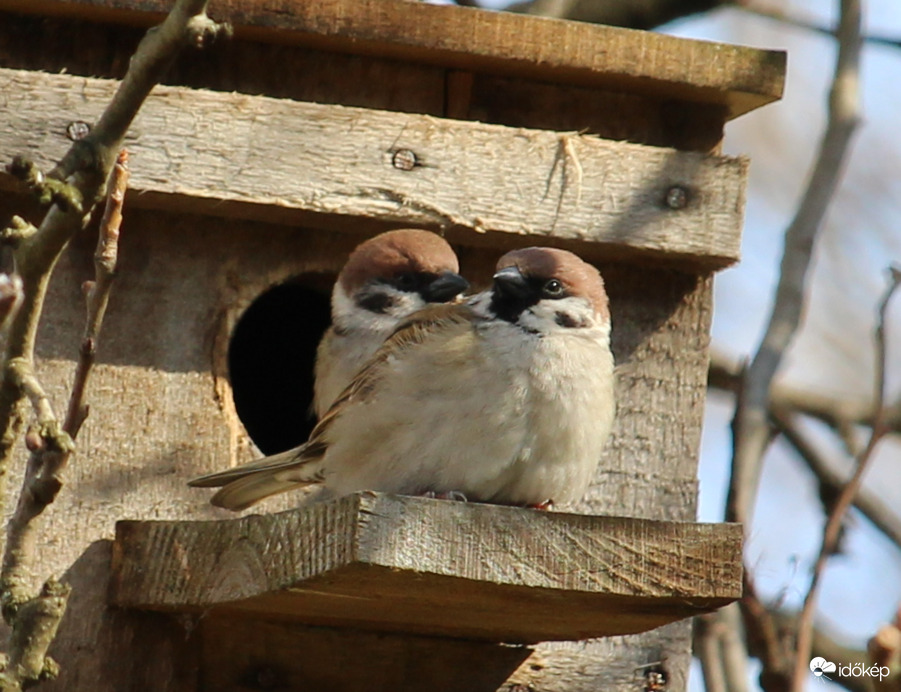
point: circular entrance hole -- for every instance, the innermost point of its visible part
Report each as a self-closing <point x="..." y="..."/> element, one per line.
<point x="270" y="360"/>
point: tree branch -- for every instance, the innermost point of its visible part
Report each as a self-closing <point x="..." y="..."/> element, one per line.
<point x="72" y="187"/>
<point x="881" y="516"/>
<point x="632" y="14"/>
<point x="706" y="645"/>
<point x="884" y="650"/>
<point x="35" y="619"/>
<point x="834" y="521"/>
<point x="751" y="431"/>
<point x="780" y="15"/>
<point x="840" y="414"/>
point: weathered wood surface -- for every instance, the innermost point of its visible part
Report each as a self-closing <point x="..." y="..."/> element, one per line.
<point x="80" y="47"/>
<point x="162" y="412"/>
<point x="277" y="160"/>
<point x="374" y="561"/>
<point x="737" y="77"/>
<point x="253" y="654"/>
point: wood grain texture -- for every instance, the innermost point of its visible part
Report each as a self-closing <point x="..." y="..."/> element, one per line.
<point x="245" y="654"/>
<point x="737" y="77"/>
<point x="376" y="561"/>
<point x="162" y="411"/>
<point x="277" y="160"/>
<point x="79" y="47"/>
<point x="161" y="414"/>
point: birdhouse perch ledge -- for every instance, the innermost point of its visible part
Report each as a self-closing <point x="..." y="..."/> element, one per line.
<point x="433" y="567"/>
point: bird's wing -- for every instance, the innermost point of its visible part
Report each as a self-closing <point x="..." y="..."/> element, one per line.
<point x="420" y="328"/>
<point x="245" y="485"/>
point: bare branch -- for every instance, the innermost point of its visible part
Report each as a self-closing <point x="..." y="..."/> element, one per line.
<point x="35" y="620"/>
<point x="881" y="516"/>
<point x="97" y="293"/>
<point x="834" y="521"/>
<point x="842" y="414"/>
<point x="633" y="14"/>
<point x="765" y="640"/>
<point x="706" y="648"/>
<point x="751" y="431"/>
<point x="80" y="175"/>
<point x="780" y="15"/>
<point x="884" y="650"/>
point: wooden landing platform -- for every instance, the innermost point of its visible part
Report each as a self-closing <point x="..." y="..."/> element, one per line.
<point x="432" y="567"/>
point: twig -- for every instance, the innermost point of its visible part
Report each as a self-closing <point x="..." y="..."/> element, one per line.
<point x="35" y="619"/>
<point x="706" y="647"/>
<point x="81" y="176"/>
<point x="765" y="640"/>
<point x="834" y="521"/>
<point x="880" y="515"/>
<point x="646" y="14"/>
<point x="840" y="414"/>
<point x="97" y="291"/>
<point x="884" y="650"/>
<point x="780" y="15"/>
<point x="751" y="432"/>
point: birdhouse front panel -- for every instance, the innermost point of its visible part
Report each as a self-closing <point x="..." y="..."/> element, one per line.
<point x="263" y="162"/>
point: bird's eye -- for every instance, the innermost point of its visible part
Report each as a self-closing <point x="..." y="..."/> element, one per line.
<point x="406" y="281"/>
<point x="553" y="288"/>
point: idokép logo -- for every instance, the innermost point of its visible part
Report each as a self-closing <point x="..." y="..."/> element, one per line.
<point x="819" y="666"/>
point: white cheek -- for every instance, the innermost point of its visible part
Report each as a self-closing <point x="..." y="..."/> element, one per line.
<point x="544" y="315"/>
<point x="347" y="315"/>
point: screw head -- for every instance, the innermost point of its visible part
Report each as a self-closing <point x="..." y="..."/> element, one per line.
<point x="77" y="129"/>
<point x="404" y="159"/>
<point x="677" y="197"/>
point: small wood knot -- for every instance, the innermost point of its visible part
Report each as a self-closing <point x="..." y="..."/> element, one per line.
<point x="77" y="129"/>
<point x="404" y="159"/>
<point x="677" y="197"/>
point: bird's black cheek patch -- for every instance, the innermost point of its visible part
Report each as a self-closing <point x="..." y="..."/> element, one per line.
<point x="378" y="303"/>
<point x="568" y="321"/>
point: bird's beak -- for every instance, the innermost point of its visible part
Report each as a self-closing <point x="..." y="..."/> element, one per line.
<point x="446" y="287"/>
<point x="509" y="281"/>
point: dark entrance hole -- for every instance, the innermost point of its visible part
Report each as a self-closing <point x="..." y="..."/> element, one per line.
<point x="270" y="360"/>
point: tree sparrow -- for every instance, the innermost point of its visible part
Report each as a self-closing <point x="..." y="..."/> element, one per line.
<point x="386" y="279"/>
<point x="507" y="398"/>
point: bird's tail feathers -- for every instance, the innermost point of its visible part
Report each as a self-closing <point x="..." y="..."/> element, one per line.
<point x="275" y="462"/>
<point x="247" y="491"/>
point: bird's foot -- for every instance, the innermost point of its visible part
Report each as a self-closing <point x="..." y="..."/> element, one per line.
<point x="545" y="506"/>
<point x="454" y="495"/>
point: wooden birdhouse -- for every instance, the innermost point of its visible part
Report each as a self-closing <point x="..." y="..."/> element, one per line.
<point x="255" y="171"/>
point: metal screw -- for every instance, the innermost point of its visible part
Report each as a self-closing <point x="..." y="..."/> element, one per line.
<point x="404" y="159"/>
<point x="77" y="129"/>
<point x="677" y="197"/>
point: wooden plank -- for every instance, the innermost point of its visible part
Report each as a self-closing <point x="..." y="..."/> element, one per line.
<point x="251" y="654"/>
<point x="276" y="160"/>
<point x="737" y="77"/>
<point x="611" y="115"/>
<point x="377" y="561"/>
